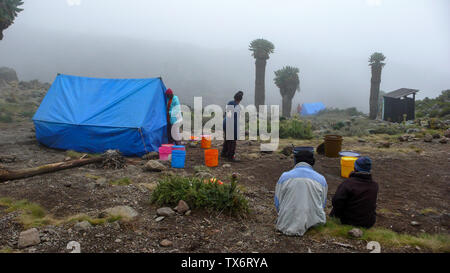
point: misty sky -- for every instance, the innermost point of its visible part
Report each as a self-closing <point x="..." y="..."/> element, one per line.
<point x="329" y="40"/>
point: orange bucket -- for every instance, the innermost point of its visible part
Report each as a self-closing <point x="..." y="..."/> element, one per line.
<point x="212" y="157"/>
<point x="206" y="141"/>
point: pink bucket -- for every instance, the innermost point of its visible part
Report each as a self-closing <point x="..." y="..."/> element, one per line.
<point x="164" y="152"/>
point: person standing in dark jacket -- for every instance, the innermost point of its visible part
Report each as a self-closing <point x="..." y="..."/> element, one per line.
<point x="355" y="200"/>
<point x="229" y="143"/>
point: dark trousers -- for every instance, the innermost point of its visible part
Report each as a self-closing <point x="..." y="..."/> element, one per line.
<point x="169" y="133"/>
<point x="229" y="148"/>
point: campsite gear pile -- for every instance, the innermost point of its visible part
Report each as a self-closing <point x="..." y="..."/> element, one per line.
<point x="347" y="160"/>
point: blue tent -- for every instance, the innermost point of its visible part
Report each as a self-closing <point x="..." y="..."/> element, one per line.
<point x="309" y="109"/>
<point x="93" y="115"/>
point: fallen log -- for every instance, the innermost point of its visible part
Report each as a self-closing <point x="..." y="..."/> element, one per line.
<point x="6" y="175"/>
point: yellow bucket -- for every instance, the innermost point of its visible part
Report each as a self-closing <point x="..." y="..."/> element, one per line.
<point x="347" y="165"/>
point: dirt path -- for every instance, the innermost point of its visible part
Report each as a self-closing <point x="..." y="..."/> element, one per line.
<point x="413" y="187"/>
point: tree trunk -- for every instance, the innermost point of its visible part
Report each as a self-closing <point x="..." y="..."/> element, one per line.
<point x="374" y="91"/>
<point x="260" y="76"/>
<point x="6" y="175"/>
<point x="287" y="105"/>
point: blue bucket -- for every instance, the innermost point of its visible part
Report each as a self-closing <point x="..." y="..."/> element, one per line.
<point x="178" y="158"/>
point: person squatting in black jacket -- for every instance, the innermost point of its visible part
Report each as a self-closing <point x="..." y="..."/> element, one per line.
<point x="355" y="200"/>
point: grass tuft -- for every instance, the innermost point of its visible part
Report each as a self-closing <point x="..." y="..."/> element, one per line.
<point x="121" y="182"/>
<point x="434" y="242"/>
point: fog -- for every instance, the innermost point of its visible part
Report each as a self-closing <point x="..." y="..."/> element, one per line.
<point x="200" y="47"/>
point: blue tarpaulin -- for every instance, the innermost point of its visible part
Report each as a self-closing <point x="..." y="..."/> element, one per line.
<point x="312" y="108"/>
<point x="93" y="115"/>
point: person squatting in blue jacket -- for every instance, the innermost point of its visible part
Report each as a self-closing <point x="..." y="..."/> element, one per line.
<point x="300" y="196"/>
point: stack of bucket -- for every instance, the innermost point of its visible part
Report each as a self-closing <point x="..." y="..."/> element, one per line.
<point x="175" y="153"/>
<point x="178" y="156"/>
<point x="211" y="155"/>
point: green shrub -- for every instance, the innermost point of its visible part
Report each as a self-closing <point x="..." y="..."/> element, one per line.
<point x="6" y="118"/>
<point x="295" y="128"/>
<point x="121" y="182"/>
<point x="200" y="194"/>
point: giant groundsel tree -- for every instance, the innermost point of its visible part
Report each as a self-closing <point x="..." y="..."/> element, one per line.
<point x="261" y="49"/>
<point x="288" y="81"/>
<point x="376" y="63"/>
<point x="8" y="12"/>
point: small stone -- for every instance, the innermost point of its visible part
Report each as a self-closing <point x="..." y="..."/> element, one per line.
<point x="67" y="184"/>
<point x="443" y="140"/>
<point x="150" y="156"/>
<point x="188" y="213"/>
<point x="204" y="175"/>
<point x="82" y="226"/>
<point x="436" y="136"/>
<point x="28" y="238"/>
<point x="251" y="178"/>
<point x="118" y="241"/>
<point x="415" y="223"/>
<point x="362" y="140"/>
<point x="165" y="243"/>
<point x="182" y="207"/>
<point x="160" y="218"/>
<point x="226" y="166"/>
<point x="154" y="166"/>
<point x="253" y="156"/>
<point x="355" y="232"/>
<point x="125" y="212"/>
<point x="384" y="145"/>
<point x="67" y="158"/>
<point x="447" y="133"/>
<point x="165" y="211"/>
<point x="428" y="138"/>
<point x="287" y="151"/>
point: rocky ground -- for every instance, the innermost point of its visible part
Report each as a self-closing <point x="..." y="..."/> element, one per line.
<point x="413" y="176"/>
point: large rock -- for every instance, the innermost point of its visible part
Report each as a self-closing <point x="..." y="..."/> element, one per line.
<point x="182" y="207"/>
<point x="428" y="138"/>
<point x="154" y="166"/>
<point x="28" y="238"/>
<point x="125" y="212"/>
<point x="165" y="211"/>
<point x="8" y="74"/>
<point x="4" y="84"/>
